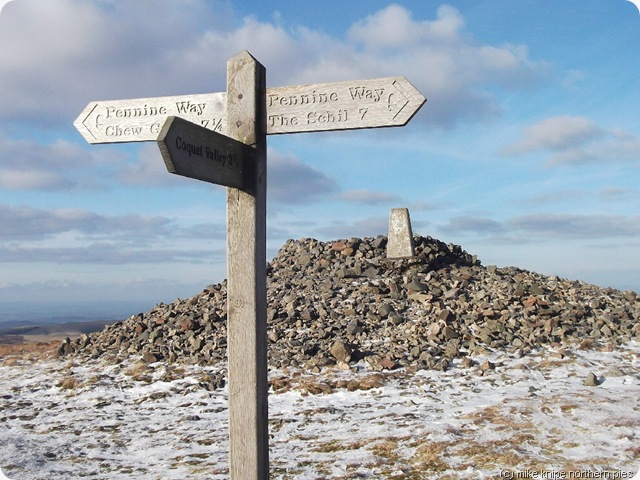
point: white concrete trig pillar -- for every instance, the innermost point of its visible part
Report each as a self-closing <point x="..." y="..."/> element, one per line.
<point x="400" y="240"/>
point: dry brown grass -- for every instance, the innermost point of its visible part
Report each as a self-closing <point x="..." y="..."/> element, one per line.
<point x="311" y="385"/>
<point x="387" y="448"/>
<point x="140" y="371"/>
<point x="424" y="457"/>
<point x="634" y="451"/>
<point x="430" y="456"/>
<point x="12" y="354"/>
<point x="568" y="407"/>
<point x="329" y="447"/>
<point x="69" y="383"/>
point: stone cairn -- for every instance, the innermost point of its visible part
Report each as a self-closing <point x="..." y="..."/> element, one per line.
<point x="343" y="302"/>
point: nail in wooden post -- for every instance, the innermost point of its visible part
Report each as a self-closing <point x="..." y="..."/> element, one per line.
<point x="246" y="270"/>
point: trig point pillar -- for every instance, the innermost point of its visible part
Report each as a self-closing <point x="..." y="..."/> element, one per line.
<point x="247" y="277"/>
<point x="400" y="240"/>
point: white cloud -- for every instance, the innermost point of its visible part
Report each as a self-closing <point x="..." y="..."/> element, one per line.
<point x="32" y="180"/>
<point x="547" y="226"/>
<point x="28" y="223"/>
<point x="77" y="236"/>
<point x="555" y="133"/>
<point x="32" y="165"/>
<point x="368" y="197"/>
<point x="558" y="196"/>
<point x="149" y="170"/>
<point x="107" y="254"/>
<point x="591" y="226"/>
<point x="574" y="140"/>
<point x="294" y="182"/>
<point x="98" y="49"/>
<point x="615" y="147"/>
<point x="477" y="225"/>
<point x="82" y="49"/>
<point x="443" y="60"/>
<point x="393" y="27"/>
<point x="368" y="227"/>
<point x="30" y="154"/>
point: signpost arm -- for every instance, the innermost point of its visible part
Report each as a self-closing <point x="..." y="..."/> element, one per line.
<point x="246" y="273"/>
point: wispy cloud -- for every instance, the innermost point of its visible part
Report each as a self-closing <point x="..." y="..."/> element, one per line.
<point x="476" y="225"/>
<point x="293" y="182"/>
<point x="107" y="254"/>
<point x="367" y="227"/>
<point x="615" y="193"/>
<point x="460" y="67"/>
<point x="556" y="133"/>
<point x="368" y="197"/>
<point x="576" y="226"/>
<point x="22" y="179"/>
<point x="558" y="196"/>
<point x="154" y="48"/>
<point x="574" y="140"/>
<point x="30" y="235"/>
<point x="149" y="170"/>
<point x="546" y="226"/>
<point x="27" y="164"/>
<point x="27" y="223"/>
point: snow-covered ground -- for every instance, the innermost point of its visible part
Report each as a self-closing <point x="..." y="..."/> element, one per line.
<point x="529" y="417"/>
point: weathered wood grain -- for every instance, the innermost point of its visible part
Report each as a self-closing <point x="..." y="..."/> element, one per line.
<point x="246" y="273"/>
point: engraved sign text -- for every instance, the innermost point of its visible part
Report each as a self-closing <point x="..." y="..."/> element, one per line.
<point x="381" y="102"/>
<point x="141" y="119"/>
<point x="196" y="152"/>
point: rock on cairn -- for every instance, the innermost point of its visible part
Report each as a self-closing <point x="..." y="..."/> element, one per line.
<point x="343" y="302"/>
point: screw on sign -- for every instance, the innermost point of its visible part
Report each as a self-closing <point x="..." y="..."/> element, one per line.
<point x="221" y="138"/>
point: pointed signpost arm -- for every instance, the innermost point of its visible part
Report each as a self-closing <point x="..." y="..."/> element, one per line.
<point x="246" y="273"/>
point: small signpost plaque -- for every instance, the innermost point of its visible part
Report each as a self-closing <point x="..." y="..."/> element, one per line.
<point x="196" y="152"/>
<point x="221" y="138"/>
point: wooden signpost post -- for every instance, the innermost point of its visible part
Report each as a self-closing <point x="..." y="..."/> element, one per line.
<point x="221" y="138"/>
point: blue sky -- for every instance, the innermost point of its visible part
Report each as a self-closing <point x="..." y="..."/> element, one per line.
<point x="527" y="152"/>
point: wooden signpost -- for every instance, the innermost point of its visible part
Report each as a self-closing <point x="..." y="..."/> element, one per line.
<point x="141" y="119"/>
<point x="381" y="102"/>
<point x="221" y="138"/>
